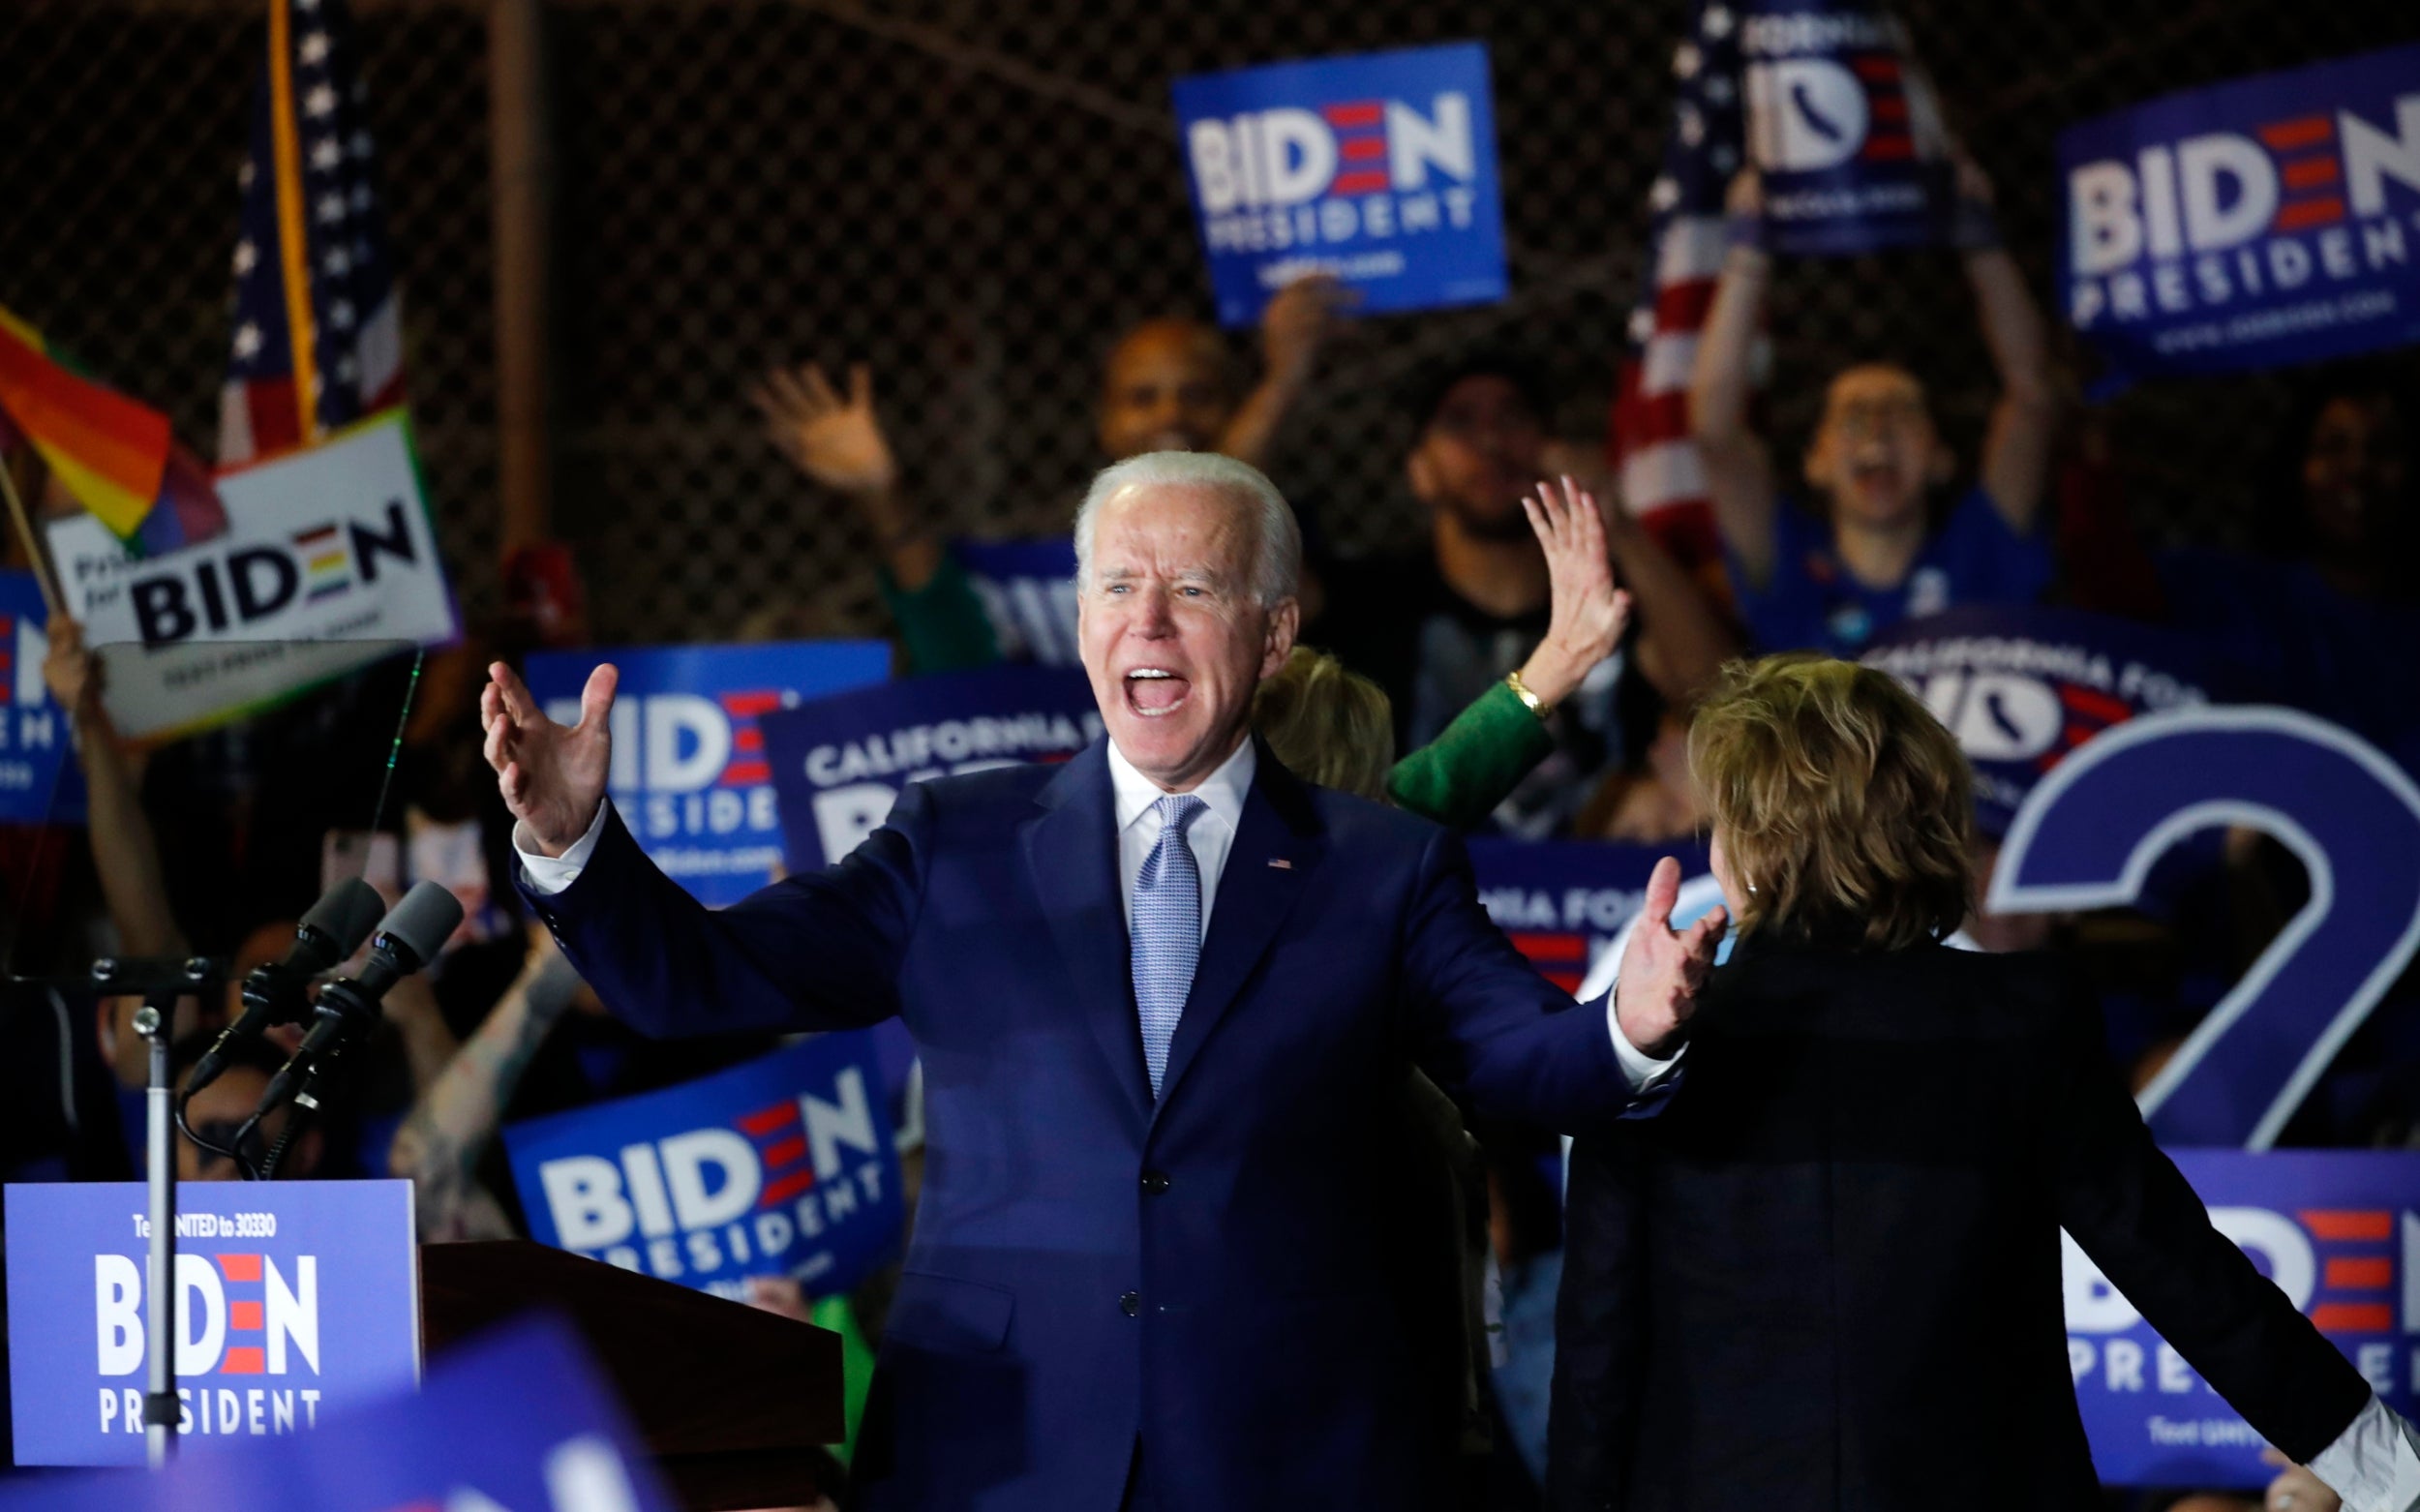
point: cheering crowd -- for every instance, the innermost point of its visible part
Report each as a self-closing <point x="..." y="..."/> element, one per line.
<point x="1529" y="670"/>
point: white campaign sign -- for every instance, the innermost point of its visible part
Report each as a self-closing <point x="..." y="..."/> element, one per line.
<point x="328" y="563"/>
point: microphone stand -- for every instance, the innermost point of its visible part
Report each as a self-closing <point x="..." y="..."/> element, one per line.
<point x="154" y="1021"/>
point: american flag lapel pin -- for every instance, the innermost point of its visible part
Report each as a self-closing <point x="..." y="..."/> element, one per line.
<point x="1280" y="864"/>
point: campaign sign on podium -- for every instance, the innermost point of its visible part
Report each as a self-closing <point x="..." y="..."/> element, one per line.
<point x="516" y="1420"/>
<point x="2337" y="1231"/>
<point x="294" y="1299"/>
<point x="1377" y="171"/>
<point x="782" y="1166"/>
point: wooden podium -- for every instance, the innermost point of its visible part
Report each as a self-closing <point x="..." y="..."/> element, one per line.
<point x="734" y="1402"/>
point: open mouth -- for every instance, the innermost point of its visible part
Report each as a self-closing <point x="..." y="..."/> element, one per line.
<point x="1155" y="692"/>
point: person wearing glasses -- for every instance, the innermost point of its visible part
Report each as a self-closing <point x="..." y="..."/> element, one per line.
<point x="1885" y="539"/>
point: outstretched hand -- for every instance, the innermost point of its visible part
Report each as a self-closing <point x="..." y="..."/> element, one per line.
<point x="552" y="775"/>
<point x="1663" y="968"/>
<point x="835" y="441"/>
<point x="1590" y="612"/>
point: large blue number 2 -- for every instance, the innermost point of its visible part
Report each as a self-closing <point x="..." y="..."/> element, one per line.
<point x="2089" y="833"/>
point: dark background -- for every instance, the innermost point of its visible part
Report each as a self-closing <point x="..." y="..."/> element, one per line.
<point x="975" y="195"/>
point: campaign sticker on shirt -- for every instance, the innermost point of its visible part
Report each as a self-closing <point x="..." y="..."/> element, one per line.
<point x="2335" y="1229"/>
<point x="1378" y="171"/>
<point x="689" y="775"/>
<point x="2247" y="224"/>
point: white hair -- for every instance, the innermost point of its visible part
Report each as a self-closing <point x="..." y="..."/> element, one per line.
<point x="1277" y="553"/>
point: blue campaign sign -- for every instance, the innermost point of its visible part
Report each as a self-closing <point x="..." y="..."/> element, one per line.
<point x="840" y="762"/>
<point x="1841" y="126"/>
<point x="782" y="1166"/>
<point x="689" y="773"/>
<point x="38" y="776"/>
<point x="1378" y="171"/>
<point x="516" y="1419"/>
<point x="1564" y="902"/>
<point x="2335" y="1229"/>
<point x="2250" y="224"/>
<point x="1028" y="589"/>
<point x="2021" y="686"/>
<point x="2088" y="836"/>
<point x="296" y="1299"/>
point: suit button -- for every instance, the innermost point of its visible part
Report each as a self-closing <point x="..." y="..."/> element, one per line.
<point x="1155" y="1182"/>
<point x="1131" y="1304"/>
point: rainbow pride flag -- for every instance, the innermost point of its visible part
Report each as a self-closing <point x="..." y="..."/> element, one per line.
<point x="116" y="456"/>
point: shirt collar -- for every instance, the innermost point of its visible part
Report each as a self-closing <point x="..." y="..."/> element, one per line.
<point x="1223" y="790"/>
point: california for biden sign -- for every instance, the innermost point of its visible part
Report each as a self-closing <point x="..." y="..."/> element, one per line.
<point x="2267" y="220"/>
<point x="1378" y="171"/>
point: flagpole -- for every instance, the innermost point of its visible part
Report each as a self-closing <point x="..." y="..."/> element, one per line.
<point x="43" y="571"/>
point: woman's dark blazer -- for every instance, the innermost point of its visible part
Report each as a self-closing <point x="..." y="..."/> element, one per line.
<point x="1829" y="1275"/>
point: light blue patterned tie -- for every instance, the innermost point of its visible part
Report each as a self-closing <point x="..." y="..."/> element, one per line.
<point x="1167" y="929"/>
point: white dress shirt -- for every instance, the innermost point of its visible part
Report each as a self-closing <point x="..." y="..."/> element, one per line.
<point x="1211" y="836"/>
<point x="2374" y="1464"/>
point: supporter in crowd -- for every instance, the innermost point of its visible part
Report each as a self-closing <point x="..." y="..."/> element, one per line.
<point x="452" y="1126"/>
<point x="1167" y="386"/>
<point x="1651" y="799"/>
<point x="1345" y="726"/>
<point x="219" y="1109"/>
<point x="1440" y="625"/>
<point x="2325" y="610"/>
<point x="1881" y="543"/>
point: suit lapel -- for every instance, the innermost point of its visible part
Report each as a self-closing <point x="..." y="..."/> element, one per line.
<point x="1254" y="898"/>
<point x="1072" y="857"/>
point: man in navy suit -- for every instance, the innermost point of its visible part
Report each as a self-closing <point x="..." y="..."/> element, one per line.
<point x="1164" y="996"/>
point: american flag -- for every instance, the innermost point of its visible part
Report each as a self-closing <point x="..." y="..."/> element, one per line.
<point x="1662" y="479"/>
<point x="318" y="341"/>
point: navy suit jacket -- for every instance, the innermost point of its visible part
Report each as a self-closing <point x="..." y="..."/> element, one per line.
<point x="1089" y="1265"/>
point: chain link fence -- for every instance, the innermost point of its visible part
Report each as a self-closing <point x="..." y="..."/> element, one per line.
<point x="976" y="196"/>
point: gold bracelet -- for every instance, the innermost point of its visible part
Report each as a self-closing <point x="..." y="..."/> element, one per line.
<point x="1529" y="700"/>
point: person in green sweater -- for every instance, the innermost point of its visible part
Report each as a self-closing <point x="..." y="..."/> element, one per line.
<point x="1318" y="717"/>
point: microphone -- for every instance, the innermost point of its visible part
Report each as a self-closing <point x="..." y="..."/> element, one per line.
<point x="273" y="993"/>
<point x="407" y="939"/>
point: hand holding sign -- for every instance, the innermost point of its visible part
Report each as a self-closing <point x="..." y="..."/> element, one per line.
<point x="1663" y="968"/>
<point x="552" y="778"/>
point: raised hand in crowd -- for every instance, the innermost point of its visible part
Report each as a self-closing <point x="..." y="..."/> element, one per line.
<point x="2015" y="465"/>
<point x="838" y="441"/>
<point x="126" y="854"/>
<point x="1663" y="967"/>
<point x="552" y="775"/>
<point x="1295" y="329"/>
<point x="456" y="1115"/>
<point x="1590" y="612"/>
